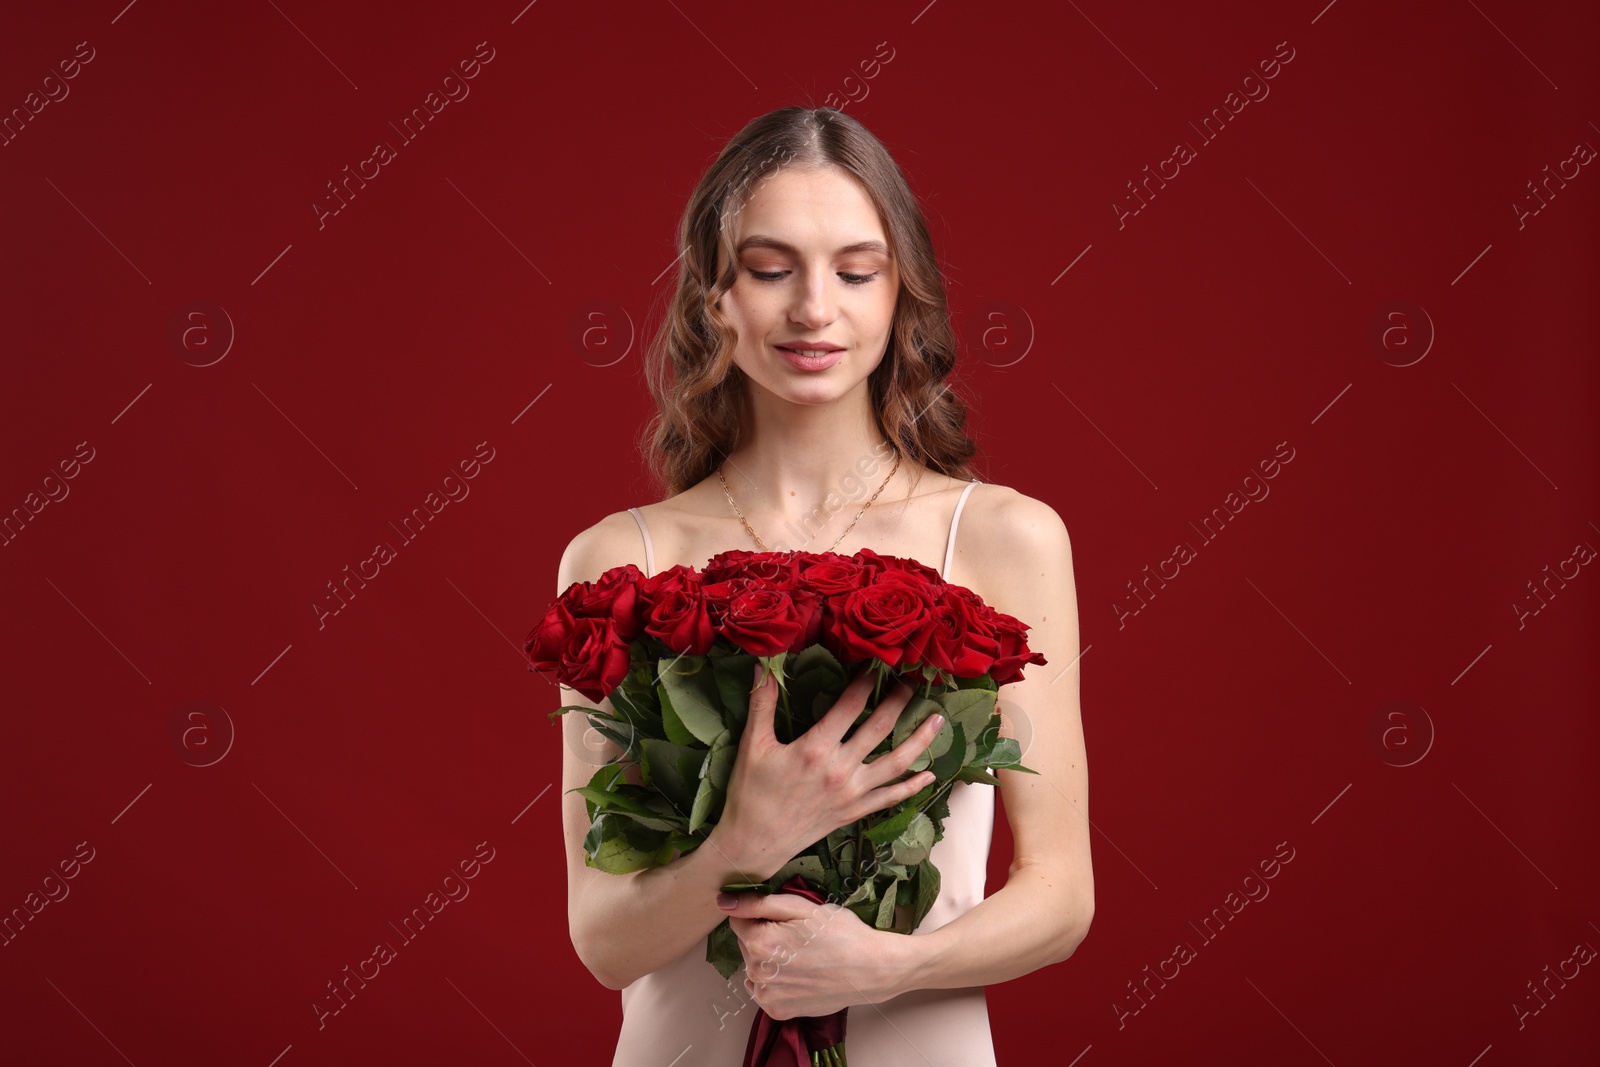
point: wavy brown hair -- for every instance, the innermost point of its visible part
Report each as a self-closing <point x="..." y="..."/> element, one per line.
<point x="702" y="396"/>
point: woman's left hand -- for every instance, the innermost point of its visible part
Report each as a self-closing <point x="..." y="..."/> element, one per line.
<point x="805" y="959"/>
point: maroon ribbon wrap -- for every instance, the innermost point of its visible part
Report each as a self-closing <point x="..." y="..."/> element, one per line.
<point x="791" y="1042"/>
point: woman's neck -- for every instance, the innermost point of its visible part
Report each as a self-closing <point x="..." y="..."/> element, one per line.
<point x="803" y="463"/>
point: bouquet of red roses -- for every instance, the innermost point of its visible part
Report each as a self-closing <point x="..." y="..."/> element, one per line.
<point x="674" y="654"/>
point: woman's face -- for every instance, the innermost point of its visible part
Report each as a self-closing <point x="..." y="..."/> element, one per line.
<point x="813" y="268"/>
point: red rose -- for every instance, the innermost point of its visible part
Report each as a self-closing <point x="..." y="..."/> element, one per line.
<point x="885" y="620"/>
<point x="675" y="611"/>
<point x="761" y="619"/>
<point x="724" y="563"/>
<point x="1014" y="651"/>
<point x="614" y="595"/>
<point x="545" y="642"/>
<point x="834" y="575"/>
<point x="594" y="660"/>
<point x="880" y="567"/>
<point x="959" y="641"/>
<point x="779" y="569"/>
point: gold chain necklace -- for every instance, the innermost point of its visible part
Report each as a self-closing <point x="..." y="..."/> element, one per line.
<point x="847" y="529"/>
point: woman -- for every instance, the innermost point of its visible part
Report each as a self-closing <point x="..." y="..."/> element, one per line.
<point x="802" y="365"/>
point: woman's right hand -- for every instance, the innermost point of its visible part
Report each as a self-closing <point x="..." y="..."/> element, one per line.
<point x="783" y="798"/>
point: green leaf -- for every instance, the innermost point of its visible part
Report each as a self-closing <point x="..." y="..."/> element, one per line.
<point x="606" y="792"/>
<point x="639" y="710"/>
<point x="777" y="664"/>
<point x="807" y="867"/>
<point x="915" y="842"/>
<point x="865" y="893"/>
<point x="659" y="821"/>
<point x="722" y="949"/>
<point x="707" y="804"/>
<point x="982" y="681"/>
<point x="818" y="658"/>
<point x="690" y="707"/>
<point x="866" y="911"/>
<point x="571" y="707"/>
<point x="731" y="675"/>
<point x="990" y="733"/>
<point x="885" y="917"/>
<point x="1002" y="750"/>
<point x="717" y="767"/>
<point x="1008" y="757"/>
<point x="892" y="827"/>
<point x="672" y="726"/>
<point x="904" y="892"/>
<point x="970" y="709"/>
<point x="911" y="716"/>
<point x="927" y="890"/>
<point x="603" y="779"/>
<point x="674" y="770"/>
<point x="622" y="734"/>
<point x="621" y="846"/>
<point x="954" y="758"/>
<point x="615" y="803"/>
<point x="609" y="799"/>
<point x="816" y="682"/>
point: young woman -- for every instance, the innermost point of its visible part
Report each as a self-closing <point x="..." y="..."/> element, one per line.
<point x="800" y="377"/>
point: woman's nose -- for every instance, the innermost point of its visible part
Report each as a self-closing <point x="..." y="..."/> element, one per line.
<point x="814" y="301"/>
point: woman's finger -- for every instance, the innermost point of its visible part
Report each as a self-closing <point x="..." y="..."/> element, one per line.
<point x="896" y="762"/>
<point x="887" y="796"/>
<point x="831" y="727"/>
<point x="763" y="703"/>
<point x="880" y="723"/>
<point x="774" y="906"/>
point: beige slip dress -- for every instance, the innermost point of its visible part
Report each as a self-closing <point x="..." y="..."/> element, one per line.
<point x="687" y="1015"/>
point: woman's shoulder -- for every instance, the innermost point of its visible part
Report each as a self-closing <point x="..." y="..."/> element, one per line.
<point x="1002" y="512"/>
<point x="1008" y="528"/>
<point x="617" y="539"/>
<point x="1020" y="557"/>
<point x="612" y="541"/>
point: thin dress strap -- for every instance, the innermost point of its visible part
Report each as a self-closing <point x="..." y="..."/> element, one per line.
<point x="649" y="553"/>
<point x="950" y="547"/>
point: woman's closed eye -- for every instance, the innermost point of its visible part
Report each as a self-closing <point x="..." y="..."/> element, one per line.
<point x="775" y="275"/>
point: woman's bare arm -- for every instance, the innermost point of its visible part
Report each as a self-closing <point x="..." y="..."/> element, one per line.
<point x="625" y="925"/>
<point x="1044" y="910"/>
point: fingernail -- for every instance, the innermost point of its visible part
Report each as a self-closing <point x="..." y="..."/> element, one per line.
<point x="937" y="720"/>
<point x="727" y="901"/>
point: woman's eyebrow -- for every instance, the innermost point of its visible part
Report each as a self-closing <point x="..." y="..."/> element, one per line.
<point x="763" y="241"/>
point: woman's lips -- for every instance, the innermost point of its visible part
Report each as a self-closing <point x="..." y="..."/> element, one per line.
<point x="815" y="359"/>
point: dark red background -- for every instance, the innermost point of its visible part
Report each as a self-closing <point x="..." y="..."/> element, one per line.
<point x="442" y="308"/>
